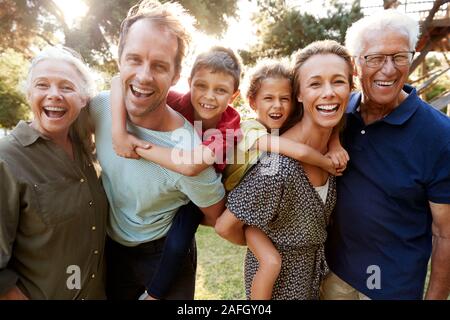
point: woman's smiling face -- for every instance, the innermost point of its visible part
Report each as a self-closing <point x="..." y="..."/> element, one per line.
<point x="324" y="89"/>
<point x="55" y="96"/>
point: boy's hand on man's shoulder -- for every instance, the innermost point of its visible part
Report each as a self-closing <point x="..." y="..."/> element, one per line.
<point x="124" y="145"/>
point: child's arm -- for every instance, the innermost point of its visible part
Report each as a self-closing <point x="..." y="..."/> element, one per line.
<point x="336" y="152"/>
<point x="188" y="163"/>
<point x="269" y="261"/>
<point x="295" y="150"/>
<point x="123" y="142"/>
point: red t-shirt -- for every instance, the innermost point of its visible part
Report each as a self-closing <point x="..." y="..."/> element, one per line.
<point x="222" y="140"/>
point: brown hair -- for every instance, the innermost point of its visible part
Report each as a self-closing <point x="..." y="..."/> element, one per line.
<point x="219" y="59"/>
<point x="318" y="47"/>
<point x="268" y="69"/>
<point x="265" y="69"/>
<point x="168" y="15"/>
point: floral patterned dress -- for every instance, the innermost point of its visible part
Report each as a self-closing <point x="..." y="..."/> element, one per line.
<point x="277" y="197"/>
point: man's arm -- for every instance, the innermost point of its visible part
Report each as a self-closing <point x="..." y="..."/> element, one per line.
<point x="439" y="286"/>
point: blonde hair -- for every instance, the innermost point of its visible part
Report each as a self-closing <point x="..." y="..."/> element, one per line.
<point x="169" y="15"/>
<point x="266" y="69"/>
<point x="322" y="47"/>
<point x="382" y="21"/>
<point x="82" y="129"/>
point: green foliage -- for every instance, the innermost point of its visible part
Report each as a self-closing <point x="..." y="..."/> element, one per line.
<point x="243" y="108"/>
<point x="283" y="29"/>
<point x="211" y="15"/>
<point x="27" y="24"/>
<point x="433" y="64"/>
<point x="22" y="24"/>
<point x="34" y="23"/>
<point x="13" y="105"/>
<point x="437" y="89"/>
<point x="339" y="18"/>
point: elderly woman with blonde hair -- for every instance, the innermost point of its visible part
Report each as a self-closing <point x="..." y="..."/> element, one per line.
<point x="52" y="205"/>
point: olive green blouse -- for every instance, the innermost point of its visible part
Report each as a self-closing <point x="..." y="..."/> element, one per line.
<point x="52" y="219"/>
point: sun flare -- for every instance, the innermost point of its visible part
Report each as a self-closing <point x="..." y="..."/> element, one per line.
<point x="72" y="10"/>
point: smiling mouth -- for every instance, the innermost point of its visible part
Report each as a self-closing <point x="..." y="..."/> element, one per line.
<point x="385" y="84"/>
<point x="275" y="116"/>
<point x="140" y="93"/>
<point x="54" y="112"/>
<point x="328" y="109"/>
<point x="208" y="106"/>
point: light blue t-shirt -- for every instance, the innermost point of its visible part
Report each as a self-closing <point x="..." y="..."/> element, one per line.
<point x="144" y="196"/>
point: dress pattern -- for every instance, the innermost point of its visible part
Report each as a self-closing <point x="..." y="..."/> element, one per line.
<point x="277" y="197"/>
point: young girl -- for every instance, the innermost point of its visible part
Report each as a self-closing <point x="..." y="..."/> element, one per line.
<point x="273" y="118"/>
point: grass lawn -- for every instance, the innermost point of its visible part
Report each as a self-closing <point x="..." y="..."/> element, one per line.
<point x="219" y="268"/>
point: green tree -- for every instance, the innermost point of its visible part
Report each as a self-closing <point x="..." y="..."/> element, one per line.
<point x="284" y="29"/>
<point x="23" y="24"/>
<point x="441" y="84"/>
<point x="13" y="105"/>
<point x="30" y="23"/>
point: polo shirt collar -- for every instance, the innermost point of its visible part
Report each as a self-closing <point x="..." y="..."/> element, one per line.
<point x="25" y="134"/>
<point x="399" y="115"/>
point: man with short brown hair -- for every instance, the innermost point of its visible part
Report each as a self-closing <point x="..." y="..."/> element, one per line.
<point x="144" y="196"/>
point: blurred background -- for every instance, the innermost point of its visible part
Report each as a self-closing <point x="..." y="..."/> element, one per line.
<point x="254" y="28"/>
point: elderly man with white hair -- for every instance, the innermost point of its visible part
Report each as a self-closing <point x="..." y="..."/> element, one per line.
<point x="393" y="208"/>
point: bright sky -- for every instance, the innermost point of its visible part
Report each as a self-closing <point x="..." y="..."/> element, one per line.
<point x="72" y="9"/>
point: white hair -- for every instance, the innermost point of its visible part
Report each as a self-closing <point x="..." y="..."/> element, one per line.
<point x="383" y="21"/>
<point x="88" y="87"/>
<point x="82" y="128"/>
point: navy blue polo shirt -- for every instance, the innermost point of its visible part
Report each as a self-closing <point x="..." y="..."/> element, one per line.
<point x="380" y="235"/>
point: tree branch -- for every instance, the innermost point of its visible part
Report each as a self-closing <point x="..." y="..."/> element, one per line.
<point x="52" y="8"/>
<point x="426" y="34"/>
